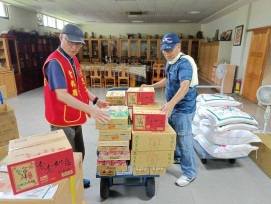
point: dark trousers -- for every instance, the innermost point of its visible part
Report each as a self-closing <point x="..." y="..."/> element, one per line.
<point x="75" y="136"/>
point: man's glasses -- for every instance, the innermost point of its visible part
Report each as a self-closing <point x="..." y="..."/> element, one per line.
<point x="71" y="44"/>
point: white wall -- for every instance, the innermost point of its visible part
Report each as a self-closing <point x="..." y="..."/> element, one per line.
<point x="23" y="19"/>
<point x="115" y="30"/>
<point x="253" y="15"/>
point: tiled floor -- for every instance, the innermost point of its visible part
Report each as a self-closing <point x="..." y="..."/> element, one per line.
<point x="217" y="181"/>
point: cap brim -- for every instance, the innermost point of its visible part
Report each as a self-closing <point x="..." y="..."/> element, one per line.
<point x="167" y="46"/>
<point x="75" y="39"/>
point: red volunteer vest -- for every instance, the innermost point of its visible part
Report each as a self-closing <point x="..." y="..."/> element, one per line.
<point x="58" y="113"/>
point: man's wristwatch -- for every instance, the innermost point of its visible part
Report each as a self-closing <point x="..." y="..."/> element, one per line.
<point x="95" y="100"/>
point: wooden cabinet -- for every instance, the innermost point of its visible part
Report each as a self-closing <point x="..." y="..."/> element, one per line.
<point x="132" y="50"/>
<point x="9" y="64"/>
<point x="211" y="53"/>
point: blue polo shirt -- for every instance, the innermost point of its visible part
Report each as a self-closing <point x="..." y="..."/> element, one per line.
<point x="178" y="72"/>
<point x="54" y="72"/>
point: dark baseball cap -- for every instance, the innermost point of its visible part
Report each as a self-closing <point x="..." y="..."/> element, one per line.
<point x="73" y="32"/>
<point x="169" y="41"/>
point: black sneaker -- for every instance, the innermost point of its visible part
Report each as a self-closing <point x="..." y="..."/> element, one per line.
<point x="86" y="183"/>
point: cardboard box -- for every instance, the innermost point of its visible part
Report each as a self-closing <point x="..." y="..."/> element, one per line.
<point x="262" y="157"/>
<point x="141" y="171"/>
<point x="116" y="134"/>
<point x="3" y="152"/>
<point x="157" y="170"/>
<point x="114" y="168"/>
<point x="39" y="160"/>
<point x="149" y="106"/>
<point x="63" y="193"/>
<point x="107" y="173"/>
<point x="140" y="96"/>
<point x="116" y="97"/>
<point x="114" y="157"/>
<point x="114" y="143"/>
<point x="154" y="141"/>
<point x="119" y="118"/>
<point x="148" y="120"/>
<point x="8" y="125"/>
<point x="152" y="159"/>
<point x="113" y="148"/>
<point x="3" y="91"/>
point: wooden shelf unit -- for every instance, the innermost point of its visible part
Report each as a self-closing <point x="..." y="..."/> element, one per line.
<point x="123" y="50"/>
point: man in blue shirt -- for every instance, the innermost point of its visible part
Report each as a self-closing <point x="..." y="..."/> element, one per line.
<point x="180" y="81"/>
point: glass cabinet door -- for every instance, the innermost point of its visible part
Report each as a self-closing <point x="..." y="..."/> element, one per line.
<point x="143" y="49"/>
<point x="85" y="50"/>
<point x="153" y="49"/>
<point x="184" y="46"/>
<point x="104" y="49"/>
<point x="124" y="48"/>
<point x="95" y="49"/>
<point x="14" y="56"/>
<point x="195" y="50"/>
<point x="114" y="48"/>
<point x="134" y="48"/>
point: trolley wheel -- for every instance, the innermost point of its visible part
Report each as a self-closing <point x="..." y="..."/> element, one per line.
<point x="232" y="161"/>
<point x="104" y="188"/>
<point x="204" y="161"/>
<point x="150" y="187"/>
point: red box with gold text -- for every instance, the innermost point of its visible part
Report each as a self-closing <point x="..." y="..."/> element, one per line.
<point x="38" y="160"/>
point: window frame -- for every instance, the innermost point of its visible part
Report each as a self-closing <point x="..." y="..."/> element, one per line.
<point x="5" y="6"/>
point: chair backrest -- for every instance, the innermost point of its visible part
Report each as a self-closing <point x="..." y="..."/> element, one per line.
<point x="158" y="71"/>
<point x="97" y="71"/>
<point x="109" y="71"/>
<point x="123" y="71"/>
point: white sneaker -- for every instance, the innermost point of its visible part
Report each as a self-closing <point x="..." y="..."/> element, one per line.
<point x="183" y="181"/>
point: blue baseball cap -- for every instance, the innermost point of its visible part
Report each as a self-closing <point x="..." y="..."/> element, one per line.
<point x="169" y="41"/>
<point x="73" y="32"/>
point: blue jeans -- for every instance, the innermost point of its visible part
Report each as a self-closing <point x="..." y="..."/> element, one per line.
<point x="182" y="124"/>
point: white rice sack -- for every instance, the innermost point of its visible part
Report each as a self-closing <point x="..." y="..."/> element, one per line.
<point x="227" y="115"/>
<point x="224" y="151"/>
<point x="216" y="100"/>
<point x="231" y="137"/>
<point x="237" y="126"/>
<point x="197" y="119"/>
<point x="195" y="129"/>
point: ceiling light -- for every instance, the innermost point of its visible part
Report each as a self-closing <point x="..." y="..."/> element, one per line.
<point x="184" y="21"/>
<point x="91" y="21"/>
<point x="137" y="21"/>
<point x="194" y="12"/>
<point x="125" y="0"/>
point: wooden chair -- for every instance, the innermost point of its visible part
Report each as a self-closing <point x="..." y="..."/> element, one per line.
<point x="86" y="74"/>
<point x="158" y="72"/>
<point x="123" y="74"/>
<point x="97" y="75"/>
<point x="109" y="74"/>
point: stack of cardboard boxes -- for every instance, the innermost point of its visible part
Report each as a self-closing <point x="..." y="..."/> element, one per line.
<point x="41" y="168"/>
<point x="113" y="144"/>
<point x="153" y="139"/>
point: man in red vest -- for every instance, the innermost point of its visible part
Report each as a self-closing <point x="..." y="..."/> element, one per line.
<point x="65" y="94"/>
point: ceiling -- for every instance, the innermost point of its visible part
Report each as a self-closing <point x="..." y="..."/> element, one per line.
<point x="114" y="11"/>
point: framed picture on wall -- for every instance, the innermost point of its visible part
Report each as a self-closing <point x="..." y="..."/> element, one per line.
<point x="228" y="35"/>
<point x="238" y="35"/>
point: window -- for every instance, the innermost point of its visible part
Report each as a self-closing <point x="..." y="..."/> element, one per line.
<point x="45" y="20"/>
<point x="3" y="10"/>
<point x="59" y="24"/>
<point x="51" y="22"/>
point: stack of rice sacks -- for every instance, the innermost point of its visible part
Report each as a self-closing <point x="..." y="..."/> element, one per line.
<point x="223" y="130"/>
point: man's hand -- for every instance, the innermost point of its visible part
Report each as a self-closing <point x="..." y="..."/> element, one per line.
<point x="167" y="108"/>
<point x="101" y="104"/>
<point x="145" y="85"/>
<point x="99" y="115"/>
